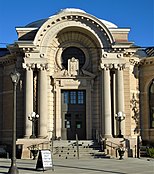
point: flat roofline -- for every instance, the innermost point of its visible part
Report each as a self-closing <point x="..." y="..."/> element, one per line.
<point x="119" y="30"/>
<point x="26" y="28"/>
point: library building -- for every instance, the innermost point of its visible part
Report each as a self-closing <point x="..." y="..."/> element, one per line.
<point x="75" y="78"/>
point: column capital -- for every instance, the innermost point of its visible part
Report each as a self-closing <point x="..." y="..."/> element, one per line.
<point x="106" y="66"/>
<point x="42" y="66"/>
<point x="121" y="66"/>
<point x="28" y="66"/>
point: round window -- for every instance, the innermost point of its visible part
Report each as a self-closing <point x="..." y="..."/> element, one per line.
<point x="75" y="52"/>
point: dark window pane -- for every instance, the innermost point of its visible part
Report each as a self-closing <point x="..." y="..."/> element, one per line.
<point x="66" y="97"/>
<point x="73" y="97"/>
<point x="78" y="124"/>
<point x="67" y="124"/>
<point x="80" y="97"/>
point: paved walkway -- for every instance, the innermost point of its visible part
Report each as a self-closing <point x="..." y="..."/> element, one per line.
<point x="85" y="166"/>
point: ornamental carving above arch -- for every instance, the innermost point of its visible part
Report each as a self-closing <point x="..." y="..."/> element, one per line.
<point x="61" y="21"/>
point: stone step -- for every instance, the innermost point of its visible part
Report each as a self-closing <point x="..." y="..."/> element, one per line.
<point x="62" y="148"/>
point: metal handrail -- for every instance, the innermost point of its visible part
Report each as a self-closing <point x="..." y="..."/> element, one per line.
<point x="112" y="143"/>
<point x="38" y="145"/>
<point x="77" y="146"/>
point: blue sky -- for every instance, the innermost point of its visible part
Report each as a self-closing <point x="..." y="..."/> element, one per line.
<point x="138" y="15"/>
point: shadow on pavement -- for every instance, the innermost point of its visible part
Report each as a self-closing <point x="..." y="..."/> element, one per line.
<point x="19" y="168"/>
<point x="98" y="170"/>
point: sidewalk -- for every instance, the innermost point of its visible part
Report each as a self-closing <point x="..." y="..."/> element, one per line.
<point x="85" y="166"/>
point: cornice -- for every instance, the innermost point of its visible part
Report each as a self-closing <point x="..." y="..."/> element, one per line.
<point x="9" y="59"/>
<point x="147" y="61"/>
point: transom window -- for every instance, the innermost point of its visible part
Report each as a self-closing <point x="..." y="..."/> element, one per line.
<point x="151" y="104"/>
<point x="75" y="52"/>
<point x="74" y="97"/>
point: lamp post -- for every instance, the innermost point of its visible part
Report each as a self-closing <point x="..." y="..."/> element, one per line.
<point x="33" y="117"/>
<point x="15" y="76"/>
<point x="120" y="117"/>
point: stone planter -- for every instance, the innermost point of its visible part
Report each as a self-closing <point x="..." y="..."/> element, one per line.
<point x="121" y="153"/>
<point x="34" y="153"/>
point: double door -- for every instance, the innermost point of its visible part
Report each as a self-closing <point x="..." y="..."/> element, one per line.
<point x="73" y="115"/>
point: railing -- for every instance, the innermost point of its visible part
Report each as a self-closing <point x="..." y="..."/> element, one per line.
<point x="39" y="146"/>
<point x="77" y="146"/>
<point x="112" y="146"/>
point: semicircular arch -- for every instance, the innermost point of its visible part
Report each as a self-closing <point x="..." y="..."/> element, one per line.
<point x="63" y="20"/>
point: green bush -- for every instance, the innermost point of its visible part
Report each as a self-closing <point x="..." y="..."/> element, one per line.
<point x="150" y="152"/>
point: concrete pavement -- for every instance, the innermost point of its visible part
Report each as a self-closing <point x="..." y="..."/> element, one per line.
<point x="85" y="166"/>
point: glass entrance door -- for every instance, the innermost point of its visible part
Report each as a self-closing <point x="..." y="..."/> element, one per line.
<point x="73" y="114"/>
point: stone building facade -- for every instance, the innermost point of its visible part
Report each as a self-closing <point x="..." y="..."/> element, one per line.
<point x="78" y="73"/>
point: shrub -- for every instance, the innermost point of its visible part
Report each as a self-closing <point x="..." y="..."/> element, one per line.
<point x="150" y="152"/>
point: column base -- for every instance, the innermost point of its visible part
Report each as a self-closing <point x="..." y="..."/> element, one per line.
<point x="26" y="136"/>
<point x="108" y="136"/>
<point x="120" y="136"/>
<point x="32" y="136"/>
<point x="42" y="137"/>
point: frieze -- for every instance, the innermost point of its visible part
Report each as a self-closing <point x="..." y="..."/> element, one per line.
<point x="112" y="55"/>
<point x="34" y="55"/>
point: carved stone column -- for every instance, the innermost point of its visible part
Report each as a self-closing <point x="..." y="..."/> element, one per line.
<point x="43" y="104"/>
<point x="29" y="98"/>
<point x="106" y="100"/>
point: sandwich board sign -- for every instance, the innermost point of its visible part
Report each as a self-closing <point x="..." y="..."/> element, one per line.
<point x="44" y="161"/>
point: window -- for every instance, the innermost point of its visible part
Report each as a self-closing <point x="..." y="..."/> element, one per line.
<point x="80" y="97"/>
<point x="73" y="97"/>
<point x="75" y="52"/>
<point x="66" y="97"/>
<point x="151" y="104"/>
<point x="78" y="124"/>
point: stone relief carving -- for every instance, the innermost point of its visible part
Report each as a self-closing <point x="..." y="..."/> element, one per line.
<point x="73" y="66"/>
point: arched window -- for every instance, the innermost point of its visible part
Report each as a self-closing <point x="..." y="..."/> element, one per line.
<point x="151" y="104"/>
<point x="75" y="52"/>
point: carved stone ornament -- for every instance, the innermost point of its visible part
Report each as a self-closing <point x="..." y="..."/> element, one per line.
<point x="28" y="66"/>
<point x="73" y="66"/>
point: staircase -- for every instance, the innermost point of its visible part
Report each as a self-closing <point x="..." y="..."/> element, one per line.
<point x="64" y="149"/>
<point x="70" y="149"/>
